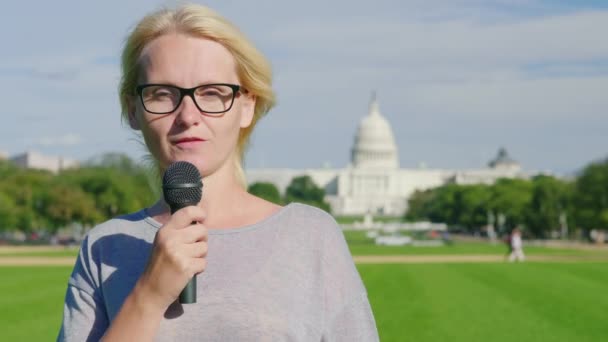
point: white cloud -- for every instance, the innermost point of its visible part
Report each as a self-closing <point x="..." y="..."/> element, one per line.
<point x="577" y="98"/>
<point x="453" y="63"/>
<point x="577" y="37"/>
<point x="542" y="67"/>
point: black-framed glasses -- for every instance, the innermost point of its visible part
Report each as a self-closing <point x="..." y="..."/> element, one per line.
<point x="212" y="99"/>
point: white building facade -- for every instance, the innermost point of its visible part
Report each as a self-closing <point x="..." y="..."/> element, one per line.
<point x="374" y="182"/>
<point x="33" y="160"/>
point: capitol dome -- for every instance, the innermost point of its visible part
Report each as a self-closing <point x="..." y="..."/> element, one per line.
<point x="374" y="142"/>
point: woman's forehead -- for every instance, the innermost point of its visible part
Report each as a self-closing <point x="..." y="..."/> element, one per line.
<point x="188" y="60"/>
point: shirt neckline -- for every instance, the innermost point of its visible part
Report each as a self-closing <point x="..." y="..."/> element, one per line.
<point x="230" y="230"/>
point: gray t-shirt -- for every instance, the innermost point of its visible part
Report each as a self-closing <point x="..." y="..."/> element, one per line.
<point x="289" y="277"/>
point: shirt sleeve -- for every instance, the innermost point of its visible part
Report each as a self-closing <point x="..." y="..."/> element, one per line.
<point x="84" y="314"/>
<point x="348" y="314"/>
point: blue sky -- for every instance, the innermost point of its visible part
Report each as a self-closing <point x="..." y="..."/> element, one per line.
<point x="457" y="79"/>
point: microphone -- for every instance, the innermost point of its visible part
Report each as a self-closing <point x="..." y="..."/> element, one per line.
<point x="182" y="187"/>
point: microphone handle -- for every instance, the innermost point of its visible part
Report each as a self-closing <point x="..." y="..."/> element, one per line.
<point x="188" y="294"/>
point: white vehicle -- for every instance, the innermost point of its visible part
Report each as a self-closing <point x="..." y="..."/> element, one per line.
<point x="393" y="240"/>
<point x="372" y="234"/>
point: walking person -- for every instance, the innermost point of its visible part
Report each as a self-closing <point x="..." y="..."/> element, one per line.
<point x="516" y="246"/>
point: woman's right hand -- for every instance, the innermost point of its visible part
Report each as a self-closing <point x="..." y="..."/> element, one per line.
<point x="178" y="253"/>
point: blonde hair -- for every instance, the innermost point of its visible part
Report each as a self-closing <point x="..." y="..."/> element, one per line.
<point x="253" y="69"/>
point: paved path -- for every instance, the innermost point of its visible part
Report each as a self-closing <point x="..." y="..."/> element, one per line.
<point x="359" y="259"/>
<point x="35" y="249"/>
<point x="36" y="261"/>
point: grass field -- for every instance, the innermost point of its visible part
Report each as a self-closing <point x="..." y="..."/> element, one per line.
<point x="489" y="302"/>
<point x="411" y="302"/>
<point x="31" y="299"/>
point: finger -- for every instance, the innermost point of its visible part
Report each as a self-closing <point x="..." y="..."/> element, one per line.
<point x="199" y="265"/>
<point x="196" y="250"/>
<point x="185" y="216"/>
<point x="194" y="233"/>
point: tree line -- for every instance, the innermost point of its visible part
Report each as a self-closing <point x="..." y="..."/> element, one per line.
<point x="301" y="189"/>
<point x="38" y="200"/>
<point x="539" y="205"/>
<point x="110" y="185"/>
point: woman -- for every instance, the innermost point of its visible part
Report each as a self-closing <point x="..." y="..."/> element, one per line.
<point x="195" y="88"/>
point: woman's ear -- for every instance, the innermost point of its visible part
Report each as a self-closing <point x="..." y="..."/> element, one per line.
<point x="247" y="110"/>
<point x="131" y="107"/>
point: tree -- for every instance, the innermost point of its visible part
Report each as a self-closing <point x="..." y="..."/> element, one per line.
<point x="591" y="196"/>
<point x="304" y="190"/>
<point x="468" y="205"/>
<point x="26" y="188"/>
<point x="113" y="160"/>
<point x="511" y="197"/>
<point x="473" y="204"/>
<point x="267" y="191"/>
<point x="7" y="168"/>
<point x="443" y="207"/>
<point x="551" y="198"/>
<point x="114" y="191"/>
<point x="418" y="205"/>
<point x="65" y="204"/>
<point x="8" y="209"/>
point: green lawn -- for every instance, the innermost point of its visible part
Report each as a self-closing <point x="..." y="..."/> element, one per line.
<point x="489" y="302"/>
<point x="411" y="302"/>
<point x="31" y="299"/>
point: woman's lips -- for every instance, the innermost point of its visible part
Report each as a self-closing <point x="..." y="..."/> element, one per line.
<point x="189" y="142"/>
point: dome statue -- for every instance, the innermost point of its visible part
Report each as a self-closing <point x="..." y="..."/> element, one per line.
<point x="374" y="145"/>
<point x="504" y="161"/>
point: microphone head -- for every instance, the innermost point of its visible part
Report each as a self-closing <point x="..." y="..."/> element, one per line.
<point x="182" y="185"/>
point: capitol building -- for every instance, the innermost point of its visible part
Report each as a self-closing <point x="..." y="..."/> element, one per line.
<point x="374" y="182"/>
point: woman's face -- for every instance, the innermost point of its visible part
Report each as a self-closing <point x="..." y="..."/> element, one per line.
<point x="208" y="142"/>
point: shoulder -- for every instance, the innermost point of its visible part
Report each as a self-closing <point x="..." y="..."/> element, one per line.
<point x="130" y="233"/>
<point x="120" y="238"/>
<point x="311" y="219"/>
<point x="309" y="212"/>
<point x="116" y="238"/>
<point x="130" y="224"/>
<point x="318" y="225"/>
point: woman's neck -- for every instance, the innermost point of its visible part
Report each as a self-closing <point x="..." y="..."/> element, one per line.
<point x="222" y="199"/>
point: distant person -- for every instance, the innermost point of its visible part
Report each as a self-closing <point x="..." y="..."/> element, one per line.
<point x="516" y="246"/>
<point x="195" y="87"/>
<point x="446" y="238"/>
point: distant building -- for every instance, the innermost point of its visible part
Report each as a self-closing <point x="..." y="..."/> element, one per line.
<point x="373" y="182"/>
<point x="500" y="167"/>
<point x="33" y="160"/>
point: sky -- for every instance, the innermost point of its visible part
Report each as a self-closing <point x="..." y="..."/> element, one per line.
<point x="457" y="79"/>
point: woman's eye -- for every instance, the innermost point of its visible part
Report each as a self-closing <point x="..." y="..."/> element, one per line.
<point x="162" y="93"/>
<point x="210" y="93"/>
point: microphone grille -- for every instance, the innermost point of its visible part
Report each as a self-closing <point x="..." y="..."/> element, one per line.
<point x="182" y="185"/>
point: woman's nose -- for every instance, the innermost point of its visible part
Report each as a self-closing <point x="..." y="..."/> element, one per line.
<point x="188" y="113"/>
